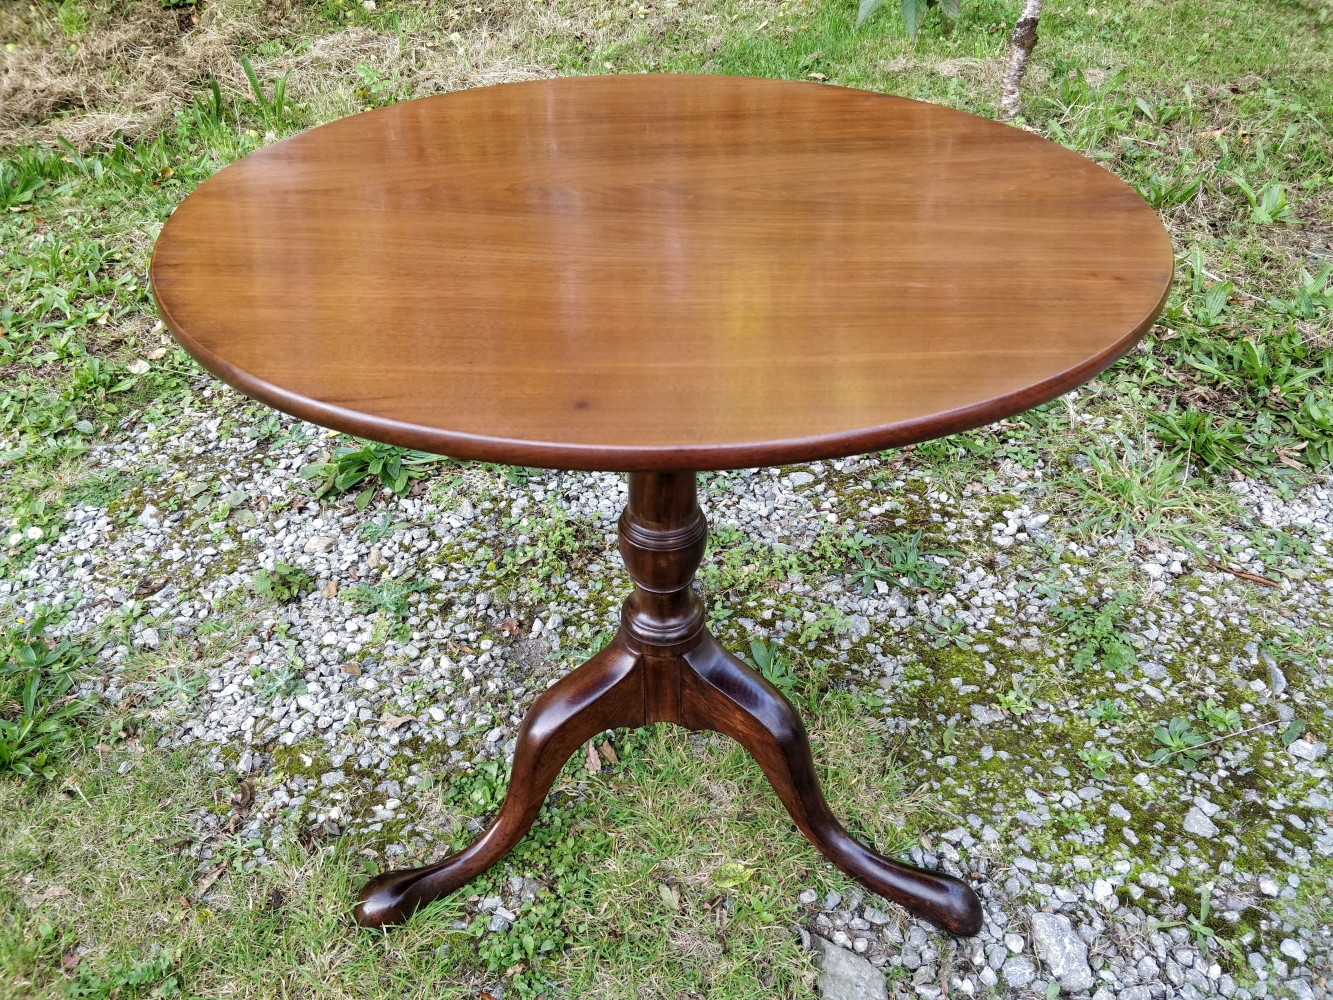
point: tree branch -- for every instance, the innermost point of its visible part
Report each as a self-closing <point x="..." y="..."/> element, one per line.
<point x="1021" y="43"/>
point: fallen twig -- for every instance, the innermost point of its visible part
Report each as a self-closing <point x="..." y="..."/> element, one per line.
<point x="1252" y="577"/>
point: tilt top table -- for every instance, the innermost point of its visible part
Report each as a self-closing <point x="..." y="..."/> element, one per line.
<point x="658" y="275"/>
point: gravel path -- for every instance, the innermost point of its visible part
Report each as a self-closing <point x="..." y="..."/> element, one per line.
<point x="980" y="696"/>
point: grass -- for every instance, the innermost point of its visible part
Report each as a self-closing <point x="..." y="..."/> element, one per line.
<point x="1214" y="111"/>
<point x="604" y="846"/>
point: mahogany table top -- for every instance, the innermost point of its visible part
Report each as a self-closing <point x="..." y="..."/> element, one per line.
<point x="659" y="272"/>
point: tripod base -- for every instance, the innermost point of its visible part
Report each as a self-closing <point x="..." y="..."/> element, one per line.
<point x="663" y="666"/>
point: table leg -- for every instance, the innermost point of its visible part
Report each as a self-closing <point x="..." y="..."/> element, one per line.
<point x="721" y="693"/>
<point x="604" y="693"/>
<point x="663" y="666"/>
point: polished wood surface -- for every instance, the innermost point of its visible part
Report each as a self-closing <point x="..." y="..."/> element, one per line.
<point x="659" y="272"/>
<point x="663" y="666"/>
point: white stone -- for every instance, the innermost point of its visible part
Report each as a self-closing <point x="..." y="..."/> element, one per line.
<point x="1104" y="892"/>
<point x="844" y="975"/>
<point x="1304" y="750"/>
<point x="1018" y="971"/>
<point x="1293" y="949"/>
<point x="319" y="544"/>
<point x="1064" y="953"/>
<point x="1198" y="824"/>
<point x="1014" y="942"/>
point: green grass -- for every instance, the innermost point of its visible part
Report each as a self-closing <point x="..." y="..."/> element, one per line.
<point x="1216" y="111"/>
<point x="693" y="814"/>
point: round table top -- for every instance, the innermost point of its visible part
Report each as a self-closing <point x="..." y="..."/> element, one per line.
<point x="659" y="272"/>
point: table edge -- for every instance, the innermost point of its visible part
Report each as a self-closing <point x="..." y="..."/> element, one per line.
<point x="661" y="458"/>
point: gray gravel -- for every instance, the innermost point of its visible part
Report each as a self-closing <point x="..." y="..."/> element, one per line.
<point x="1089" y="883"/>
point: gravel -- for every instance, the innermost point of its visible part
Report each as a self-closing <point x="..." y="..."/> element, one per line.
<point x="1088" y="882"/>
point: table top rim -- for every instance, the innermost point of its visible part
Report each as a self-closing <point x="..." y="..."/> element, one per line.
<point x="644" y="458"/>
<point x="660" y="458"/>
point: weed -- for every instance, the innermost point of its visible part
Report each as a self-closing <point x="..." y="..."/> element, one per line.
<point x="1217" y="718"/>
<point x="283" y="583"/>
<point x="35" y="522"/>
<point x="946" y="631"/>
<point x="264" y="427"/>
<point x="390" y="597"/>
<point x="1178" y="743"/>
<point x="272" y="110"/>
<point x="1106" y="710"/>
<point x="381" y="528"/>
<point x="182" y="690"/>
<point x="102" y="488"/>
<point x="1167" y="192"/>
<point x="1314" y="423"/>
<point x="18" y="185"/>
<point x="560" y="545"/>
<point x="237" y="853"/>
<point x="286" y="681"/>
<point x="480" y="790"/>
<point x="737" y="565"/>
<point x="1020" y="699"/>
<point x="900" y="559"/>
<point x="1084" y="116"/>
<point x="830" y="622"/>
<point x="947" y="735"/>
<point x="1268" y="204"/>
<point x="589" y="641"/>
<point x="72" y="17"/>
<point x="1075" y="820"/>
<point x="519" y="475"/>
<point x="776" y="670"/>
<point x="1199" y="437"/>
<point x="208" y="113"/>
<point x="1315" y="296"/>
<point x="128" y="979"/>
<point x="1097" y="761"/>
<point x="913" y="11"/>
<point x="38" y="716"/>
<point x="1293" y="731"/>
<point x="1137" y="489"/>
<point x="393" y="467"/>
<point x="374" y="91"/>
<point x="1098" y="634"/>
<point x="1204" y="936"/>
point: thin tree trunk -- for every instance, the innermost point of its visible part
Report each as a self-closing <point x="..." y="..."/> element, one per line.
<point x="1021" y="43"/>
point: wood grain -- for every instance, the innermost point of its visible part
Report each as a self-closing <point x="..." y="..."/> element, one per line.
<point x="659" y="272"/>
